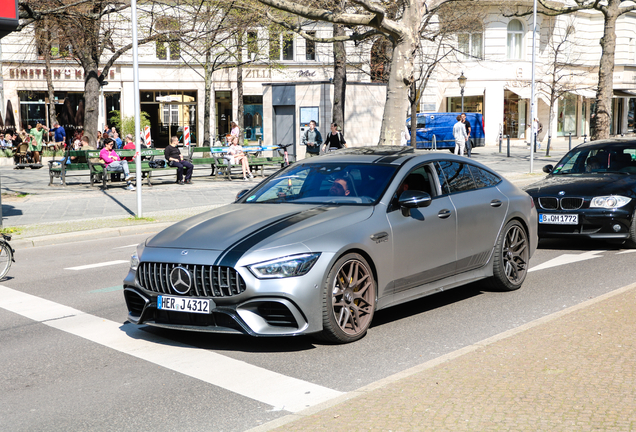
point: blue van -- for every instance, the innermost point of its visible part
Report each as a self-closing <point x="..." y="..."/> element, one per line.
<point x="440" y="125"/>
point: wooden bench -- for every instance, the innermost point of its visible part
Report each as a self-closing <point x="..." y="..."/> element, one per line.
<point x="58" y="168"/>
<point x="99" y="172"/>
<point x="214" y="158"/>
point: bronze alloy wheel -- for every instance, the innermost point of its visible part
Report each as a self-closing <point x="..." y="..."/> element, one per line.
<point x="349" y="300"/>
<point x="511" y="257"/>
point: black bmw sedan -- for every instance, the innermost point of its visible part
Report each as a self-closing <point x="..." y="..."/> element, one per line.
<point x="591" y="193"/>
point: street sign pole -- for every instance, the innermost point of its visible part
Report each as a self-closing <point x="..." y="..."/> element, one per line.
<point x="133" y="5"/>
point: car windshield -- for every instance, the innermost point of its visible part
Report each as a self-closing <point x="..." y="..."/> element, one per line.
<point x="615" y="158"/>
<point x="328" y="183"/>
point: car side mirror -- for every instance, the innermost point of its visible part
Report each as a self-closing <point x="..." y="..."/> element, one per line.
<point x="241" y="194"/>
<point x="548" y="169"/>
<point x="410" y="199"/>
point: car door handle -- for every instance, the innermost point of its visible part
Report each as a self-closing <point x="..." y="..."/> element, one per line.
<point x="495" y="203"/>
<point x="380" y="237"/>
<point x="443" y="214"/>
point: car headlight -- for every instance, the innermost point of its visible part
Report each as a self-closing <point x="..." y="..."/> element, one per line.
<point x="134" y="261"/>
<point x="609" y="202"/>
<point x="289" y="266"/>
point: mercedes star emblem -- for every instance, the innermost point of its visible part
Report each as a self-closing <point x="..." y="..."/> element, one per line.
<point x="181" y="280"/>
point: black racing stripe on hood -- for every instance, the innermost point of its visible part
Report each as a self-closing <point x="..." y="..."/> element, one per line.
<point x="232" y="254"/>
<point x="393" y="158"/>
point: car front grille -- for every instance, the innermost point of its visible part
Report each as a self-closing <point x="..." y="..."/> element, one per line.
<point x="568" y="203"/>
<point x="549" y="203"/>
<point x="571" y="203"/>
<point x="206" y="280"/>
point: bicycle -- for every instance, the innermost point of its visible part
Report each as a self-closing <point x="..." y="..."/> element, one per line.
<point x="6" y="255"/>
<point x="284" y="148"/>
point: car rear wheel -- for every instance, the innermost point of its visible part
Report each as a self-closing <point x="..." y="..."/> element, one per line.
<point x="349" y="300"/>
<point x="512" y="253"/>
<point x="631" y="242"/>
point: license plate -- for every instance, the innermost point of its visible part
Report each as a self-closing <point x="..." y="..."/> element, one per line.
<point x="181" y="304"/>
<point x="559" y="219"/>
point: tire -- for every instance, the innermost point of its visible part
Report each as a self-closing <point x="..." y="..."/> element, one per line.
<point x="631" y="242"/>
<point x="510" y="259"/>
<point x="6" y="257"/>
<point x="348" y="310"/>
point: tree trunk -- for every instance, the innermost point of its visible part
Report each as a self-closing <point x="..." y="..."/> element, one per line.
<point x="49" y="79"/>
<point x="414" y="100"/>
<point x="207" y="105"/>
<point x="339" y="79"/>
<point x="601" y="118"/>
<point x="397" y="102"/>
<point x="91" y="99"/>
<point x="239" y="105"/>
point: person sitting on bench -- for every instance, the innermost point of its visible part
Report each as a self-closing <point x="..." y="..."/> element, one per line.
<point x="114" y="163"/>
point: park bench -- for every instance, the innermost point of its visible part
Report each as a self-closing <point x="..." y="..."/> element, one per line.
<point x="99" y="172"/>
<point x="58" y="168"/>
<point x="213" y="157"/>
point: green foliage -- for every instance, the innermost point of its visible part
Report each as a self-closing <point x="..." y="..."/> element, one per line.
<point x="11" y="230"/>
<point x="126" y="125"/>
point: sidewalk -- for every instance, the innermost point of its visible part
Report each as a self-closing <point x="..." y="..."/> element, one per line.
<point x="570" y="371"/>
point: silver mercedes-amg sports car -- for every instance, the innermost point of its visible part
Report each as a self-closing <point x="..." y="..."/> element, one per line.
<point x="321" y="245"/>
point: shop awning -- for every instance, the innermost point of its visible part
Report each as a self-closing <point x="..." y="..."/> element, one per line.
<point x="468" y="91"/>
<point x="629" y="93"/>
<point x="525" y="93"/>
<point x="586" y="93"/>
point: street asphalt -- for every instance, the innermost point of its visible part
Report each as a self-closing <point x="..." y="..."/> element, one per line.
<point x="570" y="371"/>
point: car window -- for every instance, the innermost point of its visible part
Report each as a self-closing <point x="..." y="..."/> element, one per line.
<point x="617" y="157"/>
<point x="333" y="183"/>
<point x="483" y="178"/>
<point x="454" y="176"/>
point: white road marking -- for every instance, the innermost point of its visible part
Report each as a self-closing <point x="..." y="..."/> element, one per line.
<point x="103" y="264"/>
<point x="280" y="391"/>
<point x="128" y="246"/>
<point x="567" y="259"/>
<point x="626" y="251"/>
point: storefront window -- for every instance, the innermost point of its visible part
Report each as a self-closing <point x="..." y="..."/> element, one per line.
<point x="34" y="109"/>
<point x="473" y="104"/>
<point x="631" y="111"/>
<point x="169" y="112"/>
<point x="253" y="117"/>
<point x="514" y="115"/>
<point x="566" y="118"/>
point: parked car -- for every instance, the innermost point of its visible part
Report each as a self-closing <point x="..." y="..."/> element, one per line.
<point x="440" y="126"/>
<point x="320" y="246"/>
<point x="591" y="193"/>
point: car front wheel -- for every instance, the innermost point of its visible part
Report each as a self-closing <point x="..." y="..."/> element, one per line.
<point x="631" y="242"/>
<point x="349" y="300"/>
<point x="511" y="258"/>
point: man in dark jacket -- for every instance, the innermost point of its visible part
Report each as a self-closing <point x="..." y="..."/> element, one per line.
<point x="312" y="140"/>
<point x="175" y="159"/>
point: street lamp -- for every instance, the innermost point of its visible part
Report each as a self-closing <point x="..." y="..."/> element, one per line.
<point x="462" y="83"/>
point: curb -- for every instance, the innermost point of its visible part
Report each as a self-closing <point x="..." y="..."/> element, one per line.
<point x="77" y="236"/>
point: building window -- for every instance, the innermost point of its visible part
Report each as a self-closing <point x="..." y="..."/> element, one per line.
<point x="168" y="50"/>
<point x="284" y="40"/>
<point x="566" y="118"/>
<point x="252" y="45"/>
<point x="515" y="38"/>
<point x="310" y="47"/>
<point x="470" y="46"/>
